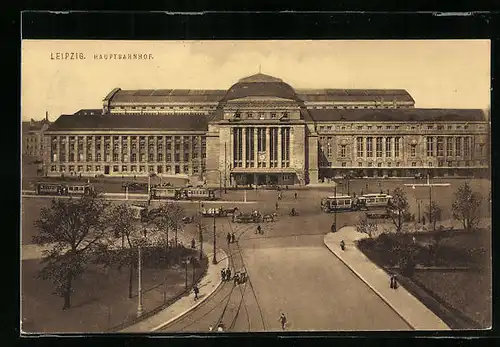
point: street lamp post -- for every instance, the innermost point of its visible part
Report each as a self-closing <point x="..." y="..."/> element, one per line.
<point x="139" y="285"/>
<point x="186" y="262"/>
<point x="201" y="240"/>
<point x="418" y="204"/>
<point x="214" y="260"/>
<point x="225" y="167"/>
<point x="220" y="184"/>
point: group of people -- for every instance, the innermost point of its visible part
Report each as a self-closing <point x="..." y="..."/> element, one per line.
<point x="225" y="274"/>
<point x="259" y="230"/>
<point x="394" y="282"/>
<point x="231" y="237"/>
<point x="239" y="277"/>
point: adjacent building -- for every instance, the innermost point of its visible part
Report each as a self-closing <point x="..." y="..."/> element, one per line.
<point x="32" y="137"/>
<point x="263" y="131"/>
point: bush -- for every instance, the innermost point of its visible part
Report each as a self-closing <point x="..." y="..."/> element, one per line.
<point x="407" y="265"/>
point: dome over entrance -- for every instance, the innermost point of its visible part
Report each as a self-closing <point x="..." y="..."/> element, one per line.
<point x="261" y="85"/>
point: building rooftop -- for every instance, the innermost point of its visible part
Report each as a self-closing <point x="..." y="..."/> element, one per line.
<point x="173" y="122"/>
<point x="378" y="95"/>
<point x="164" y="95"/>
<point x="398" y="114"/>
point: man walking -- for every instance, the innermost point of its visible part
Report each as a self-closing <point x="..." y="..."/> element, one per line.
<point x="228" y="238"/>
<point x="295" y="195"/>
<point x="196" y="291"/>
<point x="233" y="237"/>
<point x="282" y="320"/>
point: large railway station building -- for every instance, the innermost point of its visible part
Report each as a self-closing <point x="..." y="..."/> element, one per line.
<point x="263" y="131"/>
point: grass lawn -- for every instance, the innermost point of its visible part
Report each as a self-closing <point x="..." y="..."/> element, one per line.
<point x="100" y="298"/>
<point x="469" y="292"/>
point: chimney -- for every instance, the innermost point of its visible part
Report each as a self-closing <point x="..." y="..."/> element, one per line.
<point x="47" y="116"/>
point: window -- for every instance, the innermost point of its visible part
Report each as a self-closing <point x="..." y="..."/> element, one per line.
<point x="186" y="169"/>
<point x="344" y="164"/>
<point x="71" y="168"/>
<point x="430" y="146"/>
<point x="389" y="164"/>
<point x="379" y="127"/>
<point x="142" y="168"/>
<point x="186" y="156"/>
<point x="440" y="127"/>
<point x="466" y="146"/>
<point x="379" y="164"/>
<point x="142" y="157"/>
<point x="430" y="127"/>
<point x="151" y="157"/>
<point x="89" y="168"/>
<point x="360" y="164"/>
<point x="115" y="168"/>
<point x="133" y="158"/>
<point x="369" y="147"/>
<point x="370" y="164"/>
<point x="124" y="168"/>
<point x="413" y="150"/>
<point x="159" y="169"/>
<point x="388" y="149"/>
<point x="440" y="146"/>
<point x="98" y="157"/>
<point x="458" y="146"/>
<point x="413" y="164"/>
<point x="115" y="156"/>
<point x="359" y="146"/>
<point x="133" y="168"/>
<point x="62" y="168"/>
<point x="98" y="168"/>
<point x="80" y="168"/>
<point x="195" y="169"/>
<point x="160" y="156"/>
<point x="360" y="127"/>
<point x="343" y="150"/>
<point x="369" y="127"/>
<point x="177" y="157"/>
<point x="388" y="127"/>
<point x="449" y="146"/>
<point x="450" y="127"/>
<point x="379" y="147"/>
<point x="430" y="163"/>
<point x="397" y="164"/>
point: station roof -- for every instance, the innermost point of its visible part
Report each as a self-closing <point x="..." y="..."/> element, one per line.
<point x="378" y="95"/>
<point x="397" y="114"/>
<point x="174" y="122"/>
<point x="165" y="95"/>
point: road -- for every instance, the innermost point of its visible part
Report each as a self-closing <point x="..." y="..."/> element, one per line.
<point x="290" y="271"/>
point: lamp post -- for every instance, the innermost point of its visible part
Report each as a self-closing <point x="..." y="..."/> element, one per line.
<point x="418" y="203"/>
<point x="225" y="167"/>
<point x="214" y="260"/>
<point x="334" y="229"/>
<point x="186" y="262"/>
<point x="220" y="183"/>
<point x="201" y="240"/>
<point x="139" y="285"/>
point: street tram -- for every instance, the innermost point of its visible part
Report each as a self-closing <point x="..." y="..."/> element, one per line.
<point x="63" y="189"/>
<point x="341" y="203"/>
<point x="170" y="193"/>
<point x="375" y="200"/>
<point x="159" y="193"/>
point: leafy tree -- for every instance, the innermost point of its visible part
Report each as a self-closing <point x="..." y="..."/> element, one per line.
<point x="467" y="207"/>
<point x="399" y="207"/>
<point x="367" y="226"/>
<point x="176" y="213"/>
<point x="434" y="214"/>
<point x="73" y="228"/>
<point x="123" y="223"/>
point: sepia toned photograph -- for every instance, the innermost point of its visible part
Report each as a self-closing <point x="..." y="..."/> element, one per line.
<point x="255" y="186"/>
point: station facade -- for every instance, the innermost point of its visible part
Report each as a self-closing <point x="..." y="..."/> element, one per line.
<point x="263" y="131"/>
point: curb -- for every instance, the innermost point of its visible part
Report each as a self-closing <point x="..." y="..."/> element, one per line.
<point x="198" y="303"/>
<point x="371" y="287"/>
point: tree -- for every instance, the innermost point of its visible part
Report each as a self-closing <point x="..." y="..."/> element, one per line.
<point x="367" y="226"/>
<point x="467" y="207"/>
<point x="398" y="206"/>
<point x="74" y="228"/>
<point x="434" y="214"/>
<point x="123" y="223"/>
<point x="176" y="213"/>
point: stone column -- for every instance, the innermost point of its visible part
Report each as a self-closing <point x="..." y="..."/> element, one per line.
<point x="85" y="140"/>
<point x="255" y="146"/>
<point x="280" y="145"/>
<point x="290" y="146"/>
<point x="58" y="148"/>
<point x="383" y="147"/>
<point x="103" y="156"/>
<point x="244" y="147"/>
<point x="268" y="146"/>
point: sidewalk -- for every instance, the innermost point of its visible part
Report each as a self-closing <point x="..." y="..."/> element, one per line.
<point x="208" y="285"/>
<point x="409" y="308"/>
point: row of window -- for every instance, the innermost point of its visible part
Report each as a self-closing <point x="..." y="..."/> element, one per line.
<point x="161" y="107"/>
<point x="133" y="139"/>
<point x="360" y="106"/>
<point x="452" y="146"/>
<point x="159" y="169"/>
<point x="441" y="163"/>
<point x="398" y="127"/>
<point x="134" y="157"/>
<point x="388" y="147"/>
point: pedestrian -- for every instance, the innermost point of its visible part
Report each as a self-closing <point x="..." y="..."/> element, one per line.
<point x="277" y="206"/>
<point x="228" y="237"/>
<point x="342" y="245"/>
<point x="196" y="291"/>
<point x="233" y="237"/>
<point x="193" y="243"/>
<point x="295" y="195"/>
<point x="259" y="229"/>
<point x="282" y="320"/>
<point x="228" y="274"/>
<point x="223" y="274"/>
<point x="423" y="220"/>
<point x="367" y="187"/>
<point x="236" y="278"/>
<point x="392" y="281"/>
<point x="395" y="284"/>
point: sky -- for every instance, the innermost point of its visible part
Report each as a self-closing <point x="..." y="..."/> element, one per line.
<point x="437" y="73"/>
